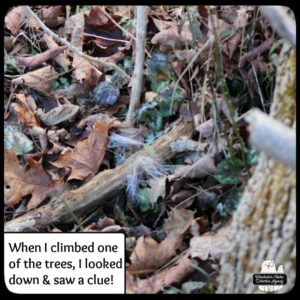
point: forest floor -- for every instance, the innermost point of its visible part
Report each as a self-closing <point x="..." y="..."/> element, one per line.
<point x="67" y="119"/>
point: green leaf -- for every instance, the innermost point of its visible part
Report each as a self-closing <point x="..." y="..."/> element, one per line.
<point x="158" y="86"/>
<point x="191" y="286"/>
<point x="54" y="85"/>
<point x="172" y="291"/>
<point x="228" y="170"/>
<point x="151" y="117"/>
<point x="143" y="200"/>
<point x="225" y="33"/>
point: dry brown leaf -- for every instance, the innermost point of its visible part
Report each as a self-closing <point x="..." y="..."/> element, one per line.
<point x="84" y="71"/>
<point x="203" y="167"/>
<point x="149" y="255"/>
<point x="14" y="19"/>
<point x="156" y="283"/>
<point x="199" y="226"/>
<point x="169" y="35"/>
<point x="52" y="16"/>
<point x="96" y="17"/>
<point x="20" y="181"/>
<point x="210" y="244"/>
<point x="206" y="128"/>
<point x="39" y="80"/>
<point x="58" y="114"/>
<point x="87" y="157"/>
<point x="25" y="115"/>
<point x="8" y="43"/>
<point x="36" y="60"/>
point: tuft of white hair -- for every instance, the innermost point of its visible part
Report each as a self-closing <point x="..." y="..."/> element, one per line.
<point x="144" y="167"/>
<point x="118" y="140"/>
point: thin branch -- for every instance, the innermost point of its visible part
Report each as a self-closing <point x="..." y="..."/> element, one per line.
<point x="123" y="29"/>
<point x="95" y="60"/>
<point x="138" y="73"/>
<point x="281" y="22"/>
<point x="200" y="51"/>
<point x="272" y="137"/>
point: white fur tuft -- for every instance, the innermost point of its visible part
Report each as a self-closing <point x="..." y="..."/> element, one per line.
<point x="146" y="167"/>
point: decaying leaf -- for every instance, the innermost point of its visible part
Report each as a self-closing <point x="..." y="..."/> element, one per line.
<point x="58" y="114"/>
<point x="14" y="19"/>
<point x="16" y="140"/>
<point x="149" y="255"/>
<point x="39" y="80"/>
<point x="52" y="16"/>
<point x="25" y="115"/>
<point x="158" y="281"/>
<point x="210" y="244"/>
<point x="20" y="181"/>
<point x="87" y="157"/>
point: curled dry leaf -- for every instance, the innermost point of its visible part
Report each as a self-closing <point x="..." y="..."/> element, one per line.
<point x="14" y="19"/>
<point x="210" y="244"/>
<point x="88" y="155"/>
<point x="149" y="255"/>
<point x="206" y="128"/>
<point x="25" y="115"/>
<point x="20" y="181"/>
<point x="58" y="114"/>
<point x="36" y="60"/>
<point x="203" y="167"/>
<point x="39" y="80"/>
<point x="52" y="16"/>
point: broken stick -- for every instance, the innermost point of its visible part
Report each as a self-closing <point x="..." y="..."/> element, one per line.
<point x="96" y="192"/>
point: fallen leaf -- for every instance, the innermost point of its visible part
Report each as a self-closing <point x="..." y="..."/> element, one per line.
<point x="87" y="157"/>
<point x="206" y="128"/>
<point x="25" y="115"/>
<point x="105" y="222"/>
<point x="14" y="19"/>
<point x="203" y="167"/>
<point x="58" y="114"/>
<point x="210" y="244"/>
<point x="199" y="226"/>
<point x="20" y="181"/>
<point x="39" y="80"/>
<point x="156" y="283"/>
<point x="96" y="17"/>
<point x="52" y="15"/>
<point x="16" y="140"/>
<point x="149" y="255"/>
<point x="156" y="189"/>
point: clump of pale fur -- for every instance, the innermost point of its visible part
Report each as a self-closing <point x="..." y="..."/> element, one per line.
<point x="118" y="140"/>
<point x="145" y="167"/>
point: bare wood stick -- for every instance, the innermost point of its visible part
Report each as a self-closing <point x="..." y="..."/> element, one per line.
<point x="138" y="73"/>
<point x="96" y="192"/>
<point x="272" y="137"/>
<point x="71" y="47"/>
<point x="281" y="22"/>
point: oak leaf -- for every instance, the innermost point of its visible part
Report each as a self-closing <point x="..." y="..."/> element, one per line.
<point x="22" y="181"/>
<point x="87" y="156"/>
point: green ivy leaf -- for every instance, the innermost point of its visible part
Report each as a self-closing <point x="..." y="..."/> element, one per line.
<point x="252" y="157"/>
<point x="228" y="170"/>
<point x="143" y="200"/>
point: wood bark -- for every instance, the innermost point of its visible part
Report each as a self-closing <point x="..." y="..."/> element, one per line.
<point x="96" y="192"/>
<point x="264" y="225"/>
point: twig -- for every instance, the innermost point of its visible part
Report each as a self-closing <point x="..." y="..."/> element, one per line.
<point x="272" y="137"/>
<point x="256" y="51"/>
<point x="138" y="73"/>
<point x="202" y="49"/>
<point x="123" y="29"/>
<point x="105" y="38"/>
<point x="281" y="22"/>
<point x="95" y="60"/>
